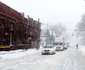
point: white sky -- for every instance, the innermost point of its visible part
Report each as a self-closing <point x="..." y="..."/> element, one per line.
<point x="67" y="12"/>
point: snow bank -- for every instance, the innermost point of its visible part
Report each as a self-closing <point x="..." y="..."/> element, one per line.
<point x="17" y="53"/>
<point x="82" y="49"/>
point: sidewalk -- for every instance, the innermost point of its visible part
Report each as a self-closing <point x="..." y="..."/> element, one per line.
<point x="17" y="53"/>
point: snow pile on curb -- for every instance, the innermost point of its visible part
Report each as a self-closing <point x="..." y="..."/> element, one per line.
<point x="82" y="49"/>
<point x="17" y="53"/>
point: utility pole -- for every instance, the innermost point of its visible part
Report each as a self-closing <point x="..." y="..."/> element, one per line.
<point x="39" y="30"/>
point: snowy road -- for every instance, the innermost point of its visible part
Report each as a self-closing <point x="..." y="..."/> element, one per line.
<point x="62" y="60"/>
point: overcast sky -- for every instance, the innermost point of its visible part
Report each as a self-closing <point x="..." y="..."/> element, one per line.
<point x="67" y="12"/>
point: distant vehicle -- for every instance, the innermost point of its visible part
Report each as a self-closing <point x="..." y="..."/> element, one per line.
<point x="59" y="46"/>
<point x="65" y="46"/>
<point x="48" y="49"/>
<point x="59" y="43"/>
<point x="68" y="44"/>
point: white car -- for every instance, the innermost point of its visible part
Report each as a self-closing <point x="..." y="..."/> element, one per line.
<point x="65" y="46"/>
<point x="48" y="49"/>
<point x="68" y="44"/>
<point x="59" y="46"/>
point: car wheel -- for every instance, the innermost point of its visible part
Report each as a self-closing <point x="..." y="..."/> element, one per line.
<point x="54" y="52"/>
<point x="42" y="53"/>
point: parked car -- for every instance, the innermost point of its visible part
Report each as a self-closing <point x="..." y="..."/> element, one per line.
<point x="48" y="49"/>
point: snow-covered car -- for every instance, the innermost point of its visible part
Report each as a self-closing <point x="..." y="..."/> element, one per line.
<point x="48" y="49"/>
<point x="59" y="46"/>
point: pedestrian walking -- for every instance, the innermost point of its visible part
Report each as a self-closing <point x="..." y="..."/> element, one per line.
<point x="76" y="46"/>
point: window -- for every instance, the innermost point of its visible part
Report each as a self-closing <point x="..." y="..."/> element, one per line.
<point x="1" y="24"/>
<point x="11" y="26"/>
<point x="60" y="43"/>
<point x="48" y="46"/>
<point x="56" y="43"/>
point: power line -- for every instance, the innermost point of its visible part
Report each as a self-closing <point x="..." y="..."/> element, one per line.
<point x="74" y="30"/>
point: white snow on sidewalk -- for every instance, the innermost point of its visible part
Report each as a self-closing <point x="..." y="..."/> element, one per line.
<point x="16" y="53"/>
<point x="82" y="49"/>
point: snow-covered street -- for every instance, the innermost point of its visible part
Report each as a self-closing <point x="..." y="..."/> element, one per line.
<point x="69" y="59"/>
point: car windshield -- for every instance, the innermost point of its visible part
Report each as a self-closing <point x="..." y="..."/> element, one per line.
<point x="58" y="43"/>
<point x="48" y="46"/>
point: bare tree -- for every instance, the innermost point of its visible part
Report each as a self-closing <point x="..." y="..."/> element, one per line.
<point x="80" y="32"/>
<point x="58" y="29"/>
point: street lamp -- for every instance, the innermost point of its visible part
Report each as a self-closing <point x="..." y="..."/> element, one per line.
<point x="49" y="20"/>
<point x="47" y="30"/>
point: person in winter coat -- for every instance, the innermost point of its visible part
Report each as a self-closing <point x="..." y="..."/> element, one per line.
<point x="76" y="46"/>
